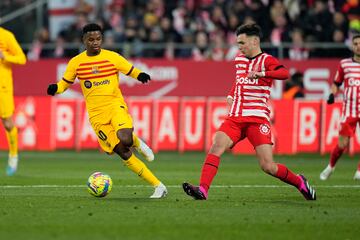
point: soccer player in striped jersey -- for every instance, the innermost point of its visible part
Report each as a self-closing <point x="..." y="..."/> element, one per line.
<point x="97" y="70"/>
<point x="348" y="73"/>
<point x="10" y="53"/>
<point x="249" y="115"/>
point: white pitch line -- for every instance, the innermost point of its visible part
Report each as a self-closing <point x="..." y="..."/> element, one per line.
<point x="174" y="186"/>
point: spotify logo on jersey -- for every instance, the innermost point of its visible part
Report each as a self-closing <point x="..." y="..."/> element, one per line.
<point x="87" y="84"/>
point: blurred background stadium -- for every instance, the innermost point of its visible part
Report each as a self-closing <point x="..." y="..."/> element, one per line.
<point x="187" y="47"/>
<point x="189" y="29"/>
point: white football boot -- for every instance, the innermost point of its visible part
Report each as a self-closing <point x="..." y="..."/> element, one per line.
<point x="145" y="150"/>
<point x="160" y="191"/>
<point x="357" y="175"/>
<point x="325" y="174"/>
<point x="12" y="165"/>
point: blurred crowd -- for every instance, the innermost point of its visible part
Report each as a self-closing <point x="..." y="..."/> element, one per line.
<point x="204" y="29"/>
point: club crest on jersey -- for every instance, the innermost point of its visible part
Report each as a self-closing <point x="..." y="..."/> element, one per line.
<point x="246" y="80"/>
<point x="264" y="129"/>
<point x="95" y="69"/>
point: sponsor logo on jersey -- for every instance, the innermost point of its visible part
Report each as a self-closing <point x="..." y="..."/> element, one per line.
<point x="95" y="69"/>
<point x="87" y="84"/>
<point x="104" y="82"/>
<point x="264" y="129"/>
<point x="246" y="80"/>
<point x="354" y="82"/>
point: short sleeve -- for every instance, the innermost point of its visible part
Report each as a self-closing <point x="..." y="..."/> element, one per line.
<point x="123" y="65"/>
<point x="272" y="63"/>
<point x="70" y="72"/>
<point x="339" y="75"/>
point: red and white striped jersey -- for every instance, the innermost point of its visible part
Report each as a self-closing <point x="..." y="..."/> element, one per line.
<point x="349" y="73"/>
<point x="250" y="96"/>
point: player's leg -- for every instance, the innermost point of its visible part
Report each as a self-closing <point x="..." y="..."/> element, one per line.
<point x="280" y="171"/>
<point x="7" y="108"/>
<point x="260" y="137"/>
<point x="221" y="142"/>
<point x="135" y="164"/>
<point x="357" y="173"/>
<point x="335" y="155"/>
<point x="142" y="148"/>
<point x="347" y="129"/>
<point x="12" y="139"/>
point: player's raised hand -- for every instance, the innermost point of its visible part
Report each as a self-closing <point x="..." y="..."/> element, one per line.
<point x="144" y="77"/>
<point x="331" y="99"/>
<point x="52" y="89"/>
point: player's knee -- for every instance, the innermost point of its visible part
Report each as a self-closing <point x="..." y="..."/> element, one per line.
<point x="122" y="151"/>
<point x="8" y="125"/>
<point x="217" y="148"/>
<point x="343" y="144"/>
<point x="126" y="140"/>
<point x="268" y="167"/>
<point x="125" y="136"/>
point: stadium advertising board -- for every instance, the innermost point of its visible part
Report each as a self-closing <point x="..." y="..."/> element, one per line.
<point x="175" y="124"/>
<point x="192" y="124"/>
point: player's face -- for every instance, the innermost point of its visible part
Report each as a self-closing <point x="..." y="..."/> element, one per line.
<point x="247" y="44"/>
<point x="93" y="41"/>
<point x="356" y="47"/>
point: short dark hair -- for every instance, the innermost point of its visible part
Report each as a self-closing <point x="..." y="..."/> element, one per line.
<point x="355" y="36"/>
<point x="91" y="27"/>
<point x="250" y="29"/>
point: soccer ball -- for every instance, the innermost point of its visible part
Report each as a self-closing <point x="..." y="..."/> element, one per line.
<point x="99" y="184"/>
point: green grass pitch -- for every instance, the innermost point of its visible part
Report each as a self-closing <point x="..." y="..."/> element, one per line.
<point x="47" y="199"/>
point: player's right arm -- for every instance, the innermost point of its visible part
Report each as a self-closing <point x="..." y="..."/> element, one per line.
<point x="339" y="78"/>
<point x="67" y="80"/>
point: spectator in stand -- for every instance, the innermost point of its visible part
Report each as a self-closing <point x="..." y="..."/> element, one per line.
<point x="37" y="49"/>
<point x="84" y="8"/>
<point x="318" y="22"/>
<point x="201" y="51"/>
<point x="72" y="33"/>
<point x="218" y="50"/>
<point x="298" y="51"/>
<point x="342" y="51"/>
<point x="186" y="50"/>
<point x="340" y="22"/>
<point x="280" y="32"/>
<point x="156" y="36"/>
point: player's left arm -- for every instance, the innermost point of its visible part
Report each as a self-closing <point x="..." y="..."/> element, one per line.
<point x="15" y="54"/>
<point x="127" y="68"/>
<point x="273" y="69"/>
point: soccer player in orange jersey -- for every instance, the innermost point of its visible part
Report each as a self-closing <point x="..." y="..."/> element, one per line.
<point x="349" y="74"/>
<point x="249" y="116"/>
<point x="10" y="53"/>
<point x="97" y="70"/>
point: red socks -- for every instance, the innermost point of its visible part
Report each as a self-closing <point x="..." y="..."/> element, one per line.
<point x="335" y="155"/>
<point x="285" y="175"/>
<point x="209" y="170"/>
